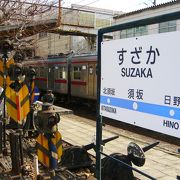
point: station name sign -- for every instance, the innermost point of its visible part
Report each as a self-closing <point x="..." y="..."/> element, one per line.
<point x="140" y="81"/>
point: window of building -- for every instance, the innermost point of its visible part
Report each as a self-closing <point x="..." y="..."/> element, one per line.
<point x="130" y="33"/>
<point x="102" y="20"/>
<point x="66" y="46"/>
<point x="133" y="32"/>
<point x="140" y="31"/>
<point x="167" y="26"/>
<point x="86" y="18"/>
<point x="77" y="73"/>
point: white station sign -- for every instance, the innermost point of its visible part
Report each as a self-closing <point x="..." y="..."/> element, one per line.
<point x="140" y="81"/>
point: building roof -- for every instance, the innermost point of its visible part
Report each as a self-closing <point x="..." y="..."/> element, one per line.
<point x="148" y="9"/>
<point x="95" y="9"/>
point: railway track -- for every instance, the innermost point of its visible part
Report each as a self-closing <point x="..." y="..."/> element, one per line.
<point x="28" y="170"/>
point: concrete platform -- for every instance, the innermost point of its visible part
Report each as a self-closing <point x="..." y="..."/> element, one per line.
<point x="162" y="162"/>
<point x="60" y="110"/>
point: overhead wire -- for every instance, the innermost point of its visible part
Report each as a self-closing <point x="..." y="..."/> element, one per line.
<point x="77" y="2"/>
<point x="81" y="6"/>
<point x="33" y="3"/>
<point x="53" y="5"/>
<point x="27" y="2"/>
<point x="149" y="14"/>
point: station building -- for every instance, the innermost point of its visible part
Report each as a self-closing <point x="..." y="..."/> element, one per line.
<point x="77" y="16"/>
<point x="160" y="9"/>
<point x="52" y="43"/>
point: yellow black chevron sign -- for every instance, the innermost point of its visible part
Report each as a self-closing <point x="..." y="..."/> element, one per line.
<point x="8" y="64"/>
<point x="49" y="150"/>
<point x="17" y="103"/>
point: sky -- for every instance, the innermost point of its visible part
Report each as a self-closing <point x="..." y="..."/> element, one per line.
<point x="118" y="5"/>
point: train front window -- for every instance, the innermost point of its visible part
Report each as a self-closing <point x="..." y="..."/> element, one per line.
<point x="77" y="73"/>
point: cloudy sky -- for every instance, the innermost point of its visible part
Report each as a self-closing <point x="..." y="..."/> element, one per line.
<point x="119" y="5"/>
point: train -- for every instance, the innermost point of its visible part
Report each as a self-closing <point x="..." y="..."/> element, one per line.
<point x="68" y="76"/>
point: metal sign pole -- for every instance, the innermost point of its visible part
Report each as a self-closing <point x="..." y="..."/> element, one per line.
<point x="5" y="58"/>
<point x="178" y="176"/>
<point x="99" y="118"/>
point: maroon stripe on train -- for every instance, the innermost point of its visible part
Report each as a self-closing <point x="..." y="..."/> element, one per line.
<point x="74" y="62"/>
<point x="63" y="81"/>
<point x="64" y="62"/>
<point x="57" y="62"/>
<point x="82" y="83"/>
<point x="82" y="62"/>
<point x="41" y="79"/>
<point x="37" y="63"/>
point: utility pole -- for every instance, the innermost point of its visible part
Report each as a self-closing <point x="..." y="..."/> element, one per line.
<point x="60" y="13"/>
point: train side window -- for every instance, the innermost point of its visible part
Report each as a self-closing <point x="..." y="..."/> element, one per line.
<point x="91" y="70"/>
<point x="62" y="73"/>
<point x="77" y="72"/>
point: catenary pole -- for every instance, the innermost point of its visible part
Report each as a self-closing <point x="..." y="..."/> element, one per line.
<point x="59" y="13"/>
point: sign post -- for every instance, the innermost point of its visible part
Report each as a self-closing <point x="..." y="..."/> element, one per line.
<point x="139" y="82"/>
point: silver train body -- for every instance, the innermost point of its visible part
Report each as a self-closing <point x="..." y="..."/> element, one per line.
<point x="68" y="76"/>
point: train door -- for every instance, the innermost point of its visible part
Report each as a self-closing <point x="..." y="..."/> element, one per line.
<point x="42" y="78"/>
<point x="51" y="78"/>
<point x="91" y="79"/>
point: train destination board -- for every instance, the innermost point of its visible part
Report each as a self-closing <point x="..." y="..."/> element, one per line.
<point x="140" y="81"/>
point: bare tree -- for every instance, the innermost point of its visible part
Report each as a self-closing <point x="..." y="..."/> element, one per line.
<point x="23" y="18"/>
<point x="21" y="13"/>
<point x="22" y="9"/>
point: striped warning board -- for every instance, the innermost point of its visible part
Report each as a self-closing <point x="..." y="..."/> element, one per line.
<point x="34" y="93"/>
<point x="17" y="103"/>
<point x="49" y="150"/>
<point x="8" y="64"/>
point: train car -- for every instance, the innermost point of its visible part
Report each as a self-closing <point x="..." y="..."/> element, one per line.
<point x="41" y="67"/>
<point x="72" y="76"/>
